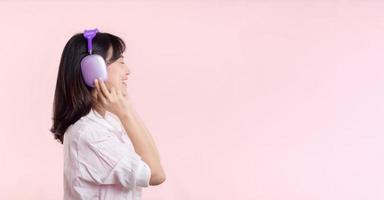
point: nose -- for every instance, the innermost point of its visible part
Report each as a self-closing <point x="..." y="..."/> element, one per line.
<point x="127" y="72"/>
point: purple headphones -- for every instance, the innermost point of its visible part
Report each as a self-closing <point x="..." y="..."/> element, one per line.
<point x="93" y="66"/>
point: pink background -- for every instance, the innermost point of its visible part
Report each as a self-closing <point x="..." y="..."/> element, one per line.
<point x="246" y="100"/>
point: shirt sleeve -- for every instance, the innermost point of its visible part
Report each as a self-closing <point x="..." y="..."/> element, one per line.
<point x="106" y="160"/>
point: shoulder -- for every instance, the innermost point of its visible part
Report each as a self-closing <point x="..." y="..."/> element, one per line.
<point x="85" y="130"/>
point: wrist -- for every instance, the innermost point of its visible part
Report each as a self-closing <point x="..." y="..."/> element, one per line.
<point x="126" y="115"/>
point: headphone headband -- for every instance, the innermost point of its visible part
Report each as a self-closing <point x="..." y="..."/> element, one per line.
<point x="90" y="34"/>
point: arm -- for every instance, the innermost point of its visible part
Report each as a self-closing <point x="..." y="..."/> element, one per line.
<point x="120" y="105"/>
<point x="146" y="131"/>
<point x="144" y="146"/>
<point x="150" y="139"/>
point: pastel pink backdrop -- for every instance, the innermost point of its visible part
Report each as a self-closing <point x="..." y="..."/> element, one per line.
<point x="246" y="100"/>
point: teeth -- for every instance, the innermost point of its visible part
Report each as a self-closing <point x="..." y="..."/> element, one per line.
<point x="125" y="82"/>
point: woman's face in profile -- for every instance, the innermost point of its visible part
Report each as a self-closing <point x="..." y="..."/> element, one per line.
<point x="117" y="74"/>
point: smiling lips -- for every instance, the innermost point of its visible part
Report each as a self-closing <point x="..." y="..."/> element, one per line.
<point x="125" y="80"/>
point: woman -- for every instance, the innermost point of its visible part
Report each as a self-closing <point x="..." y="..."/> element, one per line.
<point x="108" y="151"/>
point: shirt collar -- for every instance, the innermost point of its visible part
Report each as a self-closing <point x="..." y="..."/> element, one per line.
<point x="109" y="121"/>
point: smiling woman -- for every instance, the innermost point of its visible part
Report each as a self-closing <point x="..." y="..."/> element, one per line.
<point x="108" y="151"/>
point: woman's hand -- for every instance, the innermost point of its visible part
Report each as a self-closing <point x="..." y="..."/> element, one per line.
<point x="113" y="101"/>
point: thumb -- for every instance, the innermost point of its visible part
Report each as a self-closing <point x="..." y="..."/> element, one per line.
<point x="94" y="94"/>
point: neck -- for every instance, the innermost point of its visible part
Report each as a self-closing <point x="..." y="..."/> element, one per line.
<point x="101" y="111"/>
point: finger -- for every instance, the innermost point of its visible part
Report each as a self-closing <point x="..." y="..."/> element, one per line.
<point x="98" y="87"/>
<point x="104" y="89"/>
<point x="100" y="94"/>
<point x="94" y="93"/>
<point x="113" y="91"/>
<point x="97" y="84"/>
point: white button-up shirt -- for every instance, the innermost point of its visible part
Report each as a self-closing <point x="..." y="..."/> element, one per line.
<point x="100" y="161"/>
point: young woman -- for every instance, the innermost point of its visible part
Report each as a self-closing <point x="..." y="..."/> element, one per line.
<point x="108" y="151"/>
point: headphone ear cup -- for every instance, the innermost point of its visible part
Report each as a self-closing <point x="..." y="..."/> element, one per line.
<point x="93" y="67"/>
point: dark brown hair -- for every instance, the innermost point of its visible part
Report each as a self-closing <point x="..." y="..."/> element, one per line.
<point x="73" y="98"/>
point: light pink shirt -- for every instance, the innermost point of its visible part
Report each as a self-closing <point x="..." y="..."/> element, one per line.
<point x="100" y="161"/>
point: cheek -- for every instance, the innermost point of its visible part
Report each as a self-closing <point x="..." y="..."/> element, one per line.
<point x="113" y="78"/>
<point x="114" y="83"/>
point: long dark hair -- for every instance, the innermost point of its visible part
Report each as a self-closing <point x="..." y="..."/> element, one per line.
<point x="73" y="98"/>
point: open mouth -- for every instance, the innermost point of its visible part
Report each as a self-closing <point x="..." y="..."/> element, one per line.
<point x="125" y="82"/>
